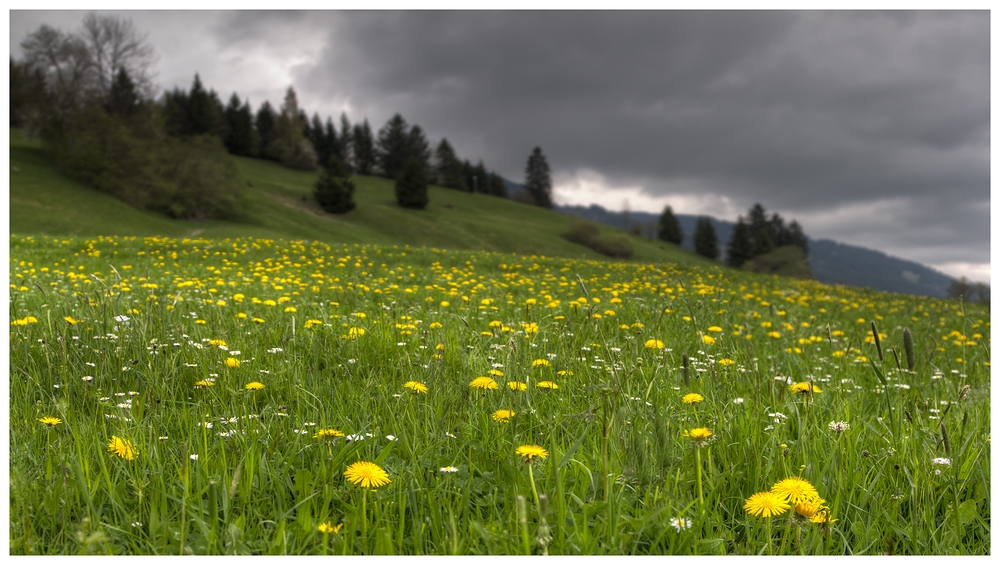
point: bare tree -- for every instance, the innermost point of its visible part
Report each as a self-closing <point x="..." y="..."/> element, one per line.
<point x="116" y="44"/>
<point x="65" y="63"/>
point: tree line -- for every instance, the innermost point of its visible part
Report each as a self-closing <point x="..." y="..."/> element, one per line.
<point x="89" y="95"/>
<point x="759" y="235"/>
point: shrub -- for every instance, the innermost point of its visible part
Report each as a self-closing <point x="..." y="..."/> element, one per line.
<point x="334" y="190"/>
<point x="589" y="235"/>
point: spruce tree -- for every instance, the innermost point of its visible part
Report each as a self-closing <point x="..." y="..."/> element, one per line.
<point x="122" y="98"/>
<point x="796" y="237"/>
<point x="264" y="122"/>
<point x="417" y="146"/>
<point x="334" y="190"/>
<point x="362" y="146"/>
<point x="317" y="136"/>
<point x="496" y="186"/>
<point x="447" y="168"/>
<point x="740" y="248"/>
<point x="393" y="147"/>
<point x="239" y="127"/>
<point x="332" y="142"/>
<point x="669" y="229"/>
<point x="347" y="143"/>
<point x="705" y="242"/>
<point x="411" y="186"/>
<point x="537" y="179"/>
<point x="290" y="147"/>
<point x="761" y="234"/>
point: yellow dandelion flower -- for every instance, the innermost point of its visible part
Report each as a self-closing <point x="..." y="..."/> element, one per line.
<point x="540" y="363"/>
<point x="354" y="332"/>
<point x="698" y="435"/>
<point x="122" y="448"/>
<point x="766" y="505"/>
<point x="50" y="421"/>
<point x="516" y="385"/>
<point x="547" y="385"/>
<point x="71" y="320"/>
<point x="484" y="383"/>
<point x="795" y="490"/>
<point x="774" y="335"/>
<point x="311" y="323"/>
<point x="232" y="362"/>
<point x="692" y="398"/>
<point x="725" y="361"/>
<point x="496" y="372"/>
<point x="327" y="528"/>
<point x="715" y="329"/>
<point x="416" y="386"/>
<point x="290" y="309"/>
<point x="203" y="384"/>
<point x="654" y="344"/>
<point x="707" y="339"/>
<point x="496" y="324"/>
<point x="254" y="386"/>
<point x="258" y="320"/>
<point x="530" y="328"/>
<point x="803" y="388"/>
<point x="328" y="433"/>
<point x="809" y="509"/>
<point x="436" y="325"/>
<point x="530" y="451"/>
<point x="217" y="342"/>
<point x="366" y="474"/>
<point x="503" y="415"/>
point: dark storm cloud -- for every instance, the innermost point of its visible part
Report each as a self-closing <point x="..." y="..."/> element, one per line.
<point x="869" y="127"/>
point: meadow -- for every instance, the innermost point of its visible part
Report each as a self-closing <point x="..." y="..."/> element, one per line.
<point x="269" y="396"/>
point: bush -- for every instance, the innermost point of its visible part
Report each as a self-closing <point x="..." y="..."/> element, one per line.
<point x="787" y="261"/>
<point x="589" y="235"/>
<point x="334" y="190"/>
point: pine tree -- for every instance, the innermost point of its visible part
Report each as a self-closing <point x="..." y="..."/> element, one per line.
<point x="740" y="248"/>
<point x="204" y="111"/>
<point x="537" y="179"/>
<point x="290" y="146"/>
<point x="122" y="99"/>
<point x="796" y="237"/>
<point x="363" y="148"/>
<point x="392" y="147"/>
<point x="669" y="229"/>
<point x="705" y="242"/>
<point x="334" y="190"/>
<point x="496" y="186"/>
<point x="478" y="182"/>
<point x="760" y="231"/>
<point x="411" y="186"/>
<point x="264" y="122"/>
<point x="332" y="142"/>
<point x="347" y="143"/>
<point x="417" y="146"/>
<point x="317" y="136"/>
<point x="447" y="168"/>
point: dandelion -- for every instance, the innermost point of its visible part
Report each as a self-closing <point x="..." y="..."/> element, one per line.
<point x="804" y="388"/>
<point x="416" y="386"/>
<point x="766" y="505"/>
<point x="232" y="362"/>
<point x="692" y="398"/>
<point x="484" y="383"/>
<point x="50" y="421"/>
<point x="217" y="342"/>
<point x="203" y="384"/>
<point x="530" y="451"/>
<point x="254" y="386"/>
<point x="516" y="386"/>
<point x="548" y="385"/>
<point x="707" y="339"/>
<point x="540" y="363"/>
<point x="71" y="320"/>
<point x="448" y="469"/>
<point x="795" y="490"/>
<point x="530" y="328"/>
<point x="698" y="435"/>
<point x="809" y="509"/>
<point x="328" y="528"/>
<point x="122" y="448"/>
<point x="503" y="415"/>
<point x="311" y="323"/>
<point x="726" y="361"/>
<point x="653" y="344"/>
<point x="328" y="433"/>
<point x="366" y="474"/>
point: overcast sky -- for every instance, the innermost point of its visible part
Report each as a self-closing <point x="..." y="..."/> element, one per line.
<point x="868" y="128"/>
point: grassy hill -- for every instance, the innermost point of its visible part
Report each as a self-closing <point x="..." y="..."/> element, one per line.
<point x="279" y="204"/>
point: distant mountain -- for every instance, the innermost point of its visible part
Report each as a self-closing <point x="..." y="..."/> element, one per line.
<point x="831" y="262"/>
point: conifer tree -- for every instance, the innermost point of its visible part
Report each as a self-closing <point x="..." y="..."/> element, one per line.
<point x="411" y="186"/>
<point x="496" y="186"/>
<point x="239" y="127"/>
<point x="347" y="143"/>
<point x="669" y="229"/>
<point x="740" y="248"/>
<point x="123" y="98"/>
<point x="332" y="142"/>
<point x="392" y="147"/>
<point x="363" y="148"/>
<point x="705" y="241"/>
<point x="761" y="234"/>
<point x="204" y="111"/>
<point x="417" y="146"/>
<point x="317" y="136"/>
<point x="290" y="146"/>
<point x="264" y="122"/>
<point x="796" y="237"/>
<point x="537" y="179"/>
<point x="447" y="168"/>
<point x="334" y="190"/>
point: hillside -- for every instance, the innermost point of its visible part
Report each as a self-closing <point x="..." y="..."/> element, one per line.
<point x="831" y="262"/>
<point x="279" y="204"/>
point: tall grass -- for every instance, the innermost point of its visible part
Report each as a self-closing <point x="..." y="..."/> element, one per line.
<point x="221" y="469"/>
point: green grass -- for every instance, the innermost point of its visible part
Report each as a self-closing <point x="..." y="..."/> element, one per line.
<point x="619" y="469"/>
<point x="279" y="204"/>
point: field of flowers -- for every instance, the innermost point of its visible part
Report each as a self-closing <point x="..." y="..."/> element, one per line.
<point x="289" y="397"/>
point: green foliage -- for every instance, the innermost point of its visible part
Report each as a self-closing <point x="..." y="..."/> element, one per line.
<point x="239" y="137"/>
<point x="393" y="147"/>
<point x="447" y="168"/>
<point x="411" y="186"/>
<point x="334" y="190"/>
<point x="787" y="261"/>
<point x="669" y="229"/>
<point x="706" y="243"/>
<point x="362" y="145"/>
<point x="589" y="235"/>
<point x="537" y="180"/>
<point x="289" y="145"/>
<point x="740" y="249"/>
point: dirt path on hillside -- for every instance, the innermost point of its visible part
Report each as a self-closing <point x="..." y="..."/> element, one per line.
<point x="302" y="207"/>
